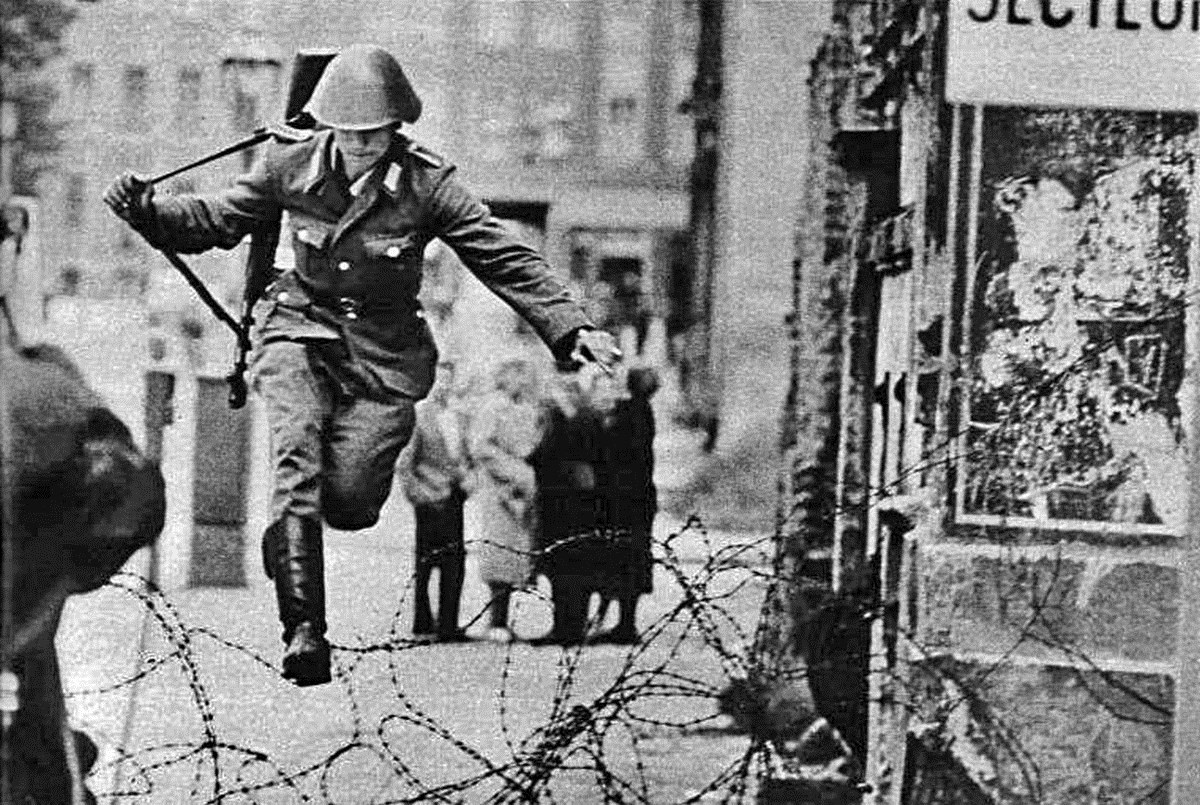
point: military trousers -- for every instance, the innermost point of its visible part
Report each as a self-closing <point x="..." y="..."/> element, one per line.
<point x="333" y="450"/>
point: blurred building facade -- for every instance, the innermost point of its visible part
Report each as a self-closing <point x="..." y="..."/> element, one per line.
<point x="576" y="119"/>
<point x="565" y="116"/>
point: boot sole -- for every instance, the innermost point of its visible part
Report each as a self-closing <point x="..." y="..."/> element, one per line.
<point x="308" y="668"/>
<point x="306" y="674"/>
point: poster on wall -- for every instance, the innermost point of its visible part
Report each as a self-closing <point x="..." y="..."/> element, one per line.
<point x="1077" y="402"/>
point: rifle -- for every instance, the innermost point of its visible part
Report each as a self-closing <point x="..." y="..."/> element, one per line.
<point x="260" y="256"/>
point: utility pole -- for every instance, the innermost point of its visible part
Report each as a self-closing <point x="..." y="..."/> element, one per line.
<point x="706" y="109"/>
<point x="9" y="693"/>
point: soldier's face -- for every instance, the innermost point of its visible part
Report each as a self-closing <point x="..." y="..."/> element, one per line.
<point x="360" y="150"/>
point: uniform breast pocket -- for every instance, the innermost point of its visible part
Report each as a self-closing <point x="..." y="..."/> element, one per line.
<point x="405" y="249"/>
<point x="314" y="237"/>
<point x="309" y="241"/>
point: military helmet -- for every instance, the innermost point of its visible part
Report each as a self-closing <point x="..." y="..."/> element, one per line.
<point x="364" y="88"/>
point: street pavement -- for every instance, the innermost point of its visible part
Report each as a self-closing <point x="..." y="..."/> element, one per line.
<point x="183" y="697"/>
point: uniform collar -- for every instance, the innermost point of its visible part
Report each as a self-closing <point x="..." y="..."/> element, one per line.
<point x="392" y="165"/>
<point x="320" y="162"/>
<point x="324" y="162"/>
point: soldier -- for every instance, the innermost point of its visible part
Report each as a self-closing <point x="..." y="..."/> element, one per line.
<point x="342" y="350"/>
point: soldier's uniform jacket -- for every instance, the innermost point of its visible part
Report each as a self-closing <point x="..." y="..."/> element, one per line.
<point x="359" y="257"/>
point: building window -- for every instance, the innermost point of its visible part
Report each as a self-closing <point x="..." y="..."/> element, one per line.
<point x="623" y="88"/>
<point x="187" y="98"/>
<point x="681" y="129"/>
<point x="135" y="99"/>
<point x="74" y="203"/>
<point x="554" y="26"/>
<point x="499" y="23"/>
<point x="626" y="24"/>
<point x="70" y="278"/>
<point x="81" y="90"/>
<point x="497" y="110"/>
<point x="553" y="124"/>
<point x="622" y="111"/>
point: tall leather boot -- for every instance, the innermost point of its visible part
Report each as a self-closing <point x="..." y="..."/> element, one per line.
<point x="299" y="574"/>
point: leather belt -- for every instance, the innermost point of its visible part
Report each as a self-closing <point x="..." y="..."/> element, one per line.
<point x="350" y="307"/>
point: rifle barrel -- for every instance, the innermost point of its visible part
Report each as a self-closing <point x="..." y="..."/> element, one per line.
<point x="257" y="137"/>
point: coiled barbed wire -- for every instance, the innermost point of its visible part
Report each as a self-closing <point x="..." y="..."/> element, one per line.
<point x="599" y="734"/>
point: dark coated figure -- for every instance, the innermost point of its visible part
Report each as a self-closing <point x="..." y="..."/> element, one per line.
<point x="84" y="500"/>
<point x="342" y="351"/>
<point x="631" y="502"/>
<point x="568" y="466"/>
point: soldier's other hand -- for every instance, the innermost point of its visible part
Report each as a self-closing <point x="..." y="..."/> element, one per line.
<point x="598" y="347"/>
<point x="131" y="198"/>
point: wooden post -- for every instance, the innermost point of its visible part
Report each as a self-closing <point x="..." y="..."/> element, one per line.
<point x="706" y="109"/>
<point x="9" y="694"/>
<point x="969" y="258"/>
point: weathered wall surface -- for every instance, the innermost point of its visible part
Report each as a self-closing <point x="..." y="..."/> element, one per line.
<point x="1023" y="472"/>
<point x="767" y="44"/>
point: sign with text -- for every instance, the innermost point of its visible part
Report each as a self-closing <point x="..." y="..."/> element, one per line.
<point x="1125" y="54"/>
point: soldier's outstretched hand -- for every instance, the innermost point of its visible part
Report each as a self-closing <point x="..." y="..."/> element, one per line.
<point x="131" y="199"/>
<point x="598" y="347"/>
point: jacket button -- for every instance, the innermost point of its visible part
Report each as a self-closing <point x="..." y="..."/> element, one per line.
<point x="343" y="266"/>
<point x="393" y="251"/>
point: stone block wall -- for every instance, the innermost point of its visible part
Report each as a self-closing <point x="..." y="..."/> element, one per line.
<point x="1047" y="669"/>
<point x="1045" y="733"/>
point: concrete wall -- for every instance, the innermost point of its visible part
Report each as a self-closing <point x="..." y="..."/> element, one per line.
<point x="767" y="47"/>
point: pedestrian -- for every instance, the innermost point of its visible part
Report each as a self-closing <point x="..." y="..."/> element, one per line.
<point x="433" y="471"/>
<point x="342" y="351"/>
<point x="504" y="432"/>
<point x="566" y="468"/>
<point x="631" y="503"/>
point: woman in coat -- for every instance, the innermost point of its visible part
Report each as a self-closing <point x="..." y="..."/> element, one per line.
<point x="432" y="472"/>
<point x="503" y="435"/>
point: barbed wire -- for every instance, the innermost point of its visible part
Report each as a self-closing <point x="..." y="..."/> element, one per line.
<point x="599" y="738"/>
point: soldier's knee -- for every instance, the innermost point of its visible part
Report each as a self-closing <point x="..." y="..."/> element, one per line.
<point x="350" y="512"/>
<point x="351" y="520"/>
<point x="353" y="503"/>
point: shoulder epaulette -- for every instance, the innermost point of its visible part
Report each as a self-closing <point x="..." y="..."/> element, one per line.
<point x="425" y="155"/>
<point x="287" y="134"/>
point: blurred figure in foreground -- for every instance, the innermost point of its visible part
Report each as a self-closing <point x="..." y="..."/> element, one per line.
<point x="433" y="470"/>
<point x="84" y="500"/>
<point x="502" y="437"/>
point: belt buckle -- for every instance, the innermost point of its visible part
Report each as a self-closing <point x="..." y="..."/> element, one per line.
<point x="349" y="308"/>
